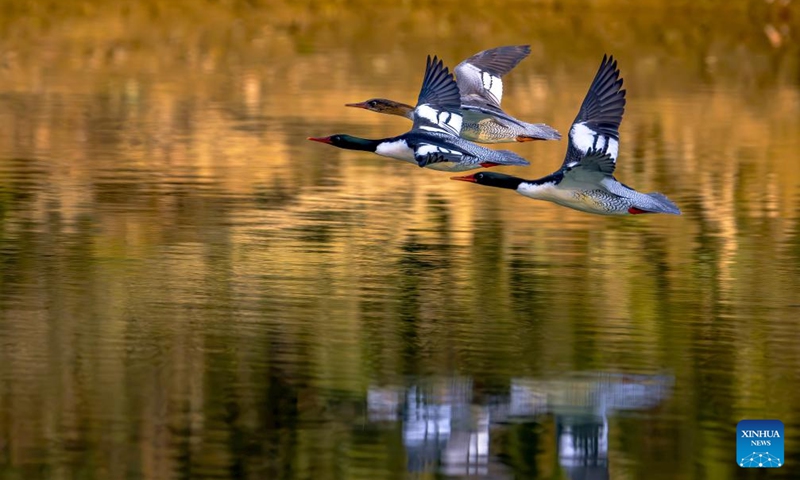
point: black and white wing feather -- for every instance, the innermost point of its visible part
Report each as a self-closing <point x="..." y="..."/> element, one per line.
<point x="480" y="77"/>
<point x="433" y="159"/>
<point x="596" y="128"/>
<point x="427" y="154"/>
<point x="439" y="103"/>
<point x="592" y="167"/>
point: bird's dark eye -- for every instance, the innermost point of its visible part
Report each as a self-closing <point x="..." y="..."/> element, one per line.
<point x="372" y="103"/>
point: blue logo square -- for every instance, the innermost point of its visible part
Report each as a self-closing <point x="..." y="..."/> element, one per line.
<point x="759" y="444"/>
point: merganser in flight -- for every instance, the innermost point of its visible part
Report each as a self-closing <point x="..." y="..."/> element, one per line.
<point x="585" y="180"/>
<point x="433" y="141"/>
<point x="480" y="82"/>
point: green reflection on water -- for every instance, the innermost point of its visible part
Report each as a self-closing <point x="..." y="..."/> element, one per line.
<point x="189" y="289"/>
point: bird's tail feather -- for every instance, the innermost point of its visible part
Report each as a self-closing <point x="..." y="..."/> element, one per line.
<point x="510" y="158"/>
<point x="662" y="204"/>
<point x="540" y="131"/>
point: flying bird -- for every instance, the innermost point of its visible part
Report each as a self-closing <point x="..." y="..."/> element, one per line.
<point x="585" y="180"/>
<point x="433" y="140"/>
<point x="480" y="82"/>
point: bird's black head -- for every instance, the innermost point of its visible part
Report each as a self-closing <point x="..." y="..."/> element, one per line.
<point x="347" y="141"/>
<point x="492" y="179"/>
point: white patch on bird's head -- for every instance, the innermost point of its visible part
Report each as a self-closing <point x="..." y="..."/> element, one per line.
<point x="398" y="149"/>
<point x="449" y="122"/>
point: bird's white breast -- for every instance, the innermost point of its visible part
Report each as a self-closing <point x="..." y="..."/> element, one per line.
<point x="546" y="191"/>
<point x="573" y="198"/>
<point x="398" y="149"/>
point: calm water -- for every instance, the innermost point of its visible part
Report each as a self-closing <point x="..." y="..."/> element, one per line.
<point x="189" y="289"/>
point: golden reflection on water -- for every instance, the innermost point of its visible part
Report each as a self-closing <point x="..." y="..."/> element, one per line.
<point x="191" y="288"/>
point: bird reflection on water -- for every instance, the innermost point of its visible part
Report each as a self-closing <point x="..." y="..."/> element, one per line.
<point x="445" y="428"/>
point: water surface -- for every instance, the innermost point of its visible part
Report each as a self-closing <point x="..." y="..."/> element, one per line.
<point x="189" y="289"/>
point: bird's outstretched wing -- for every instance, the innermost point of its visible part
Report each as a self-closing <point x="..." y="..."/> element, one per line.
<point x="480" y="77"/>
<point x="592" y="167"/>
<point x="596" y="128"/>
<point x="439" y="104"/>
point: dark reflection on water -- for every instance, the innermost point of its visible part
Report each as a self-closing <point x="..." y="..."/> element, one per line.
<point x="189" y="289"/>
<point x="448" y="425"/>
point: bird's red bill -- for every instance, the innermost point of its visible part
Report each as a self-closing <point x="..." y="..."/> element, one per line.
<point x="466" y="178"/>
<point x="356" y="105"/>
<point x="320" y="139"/>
